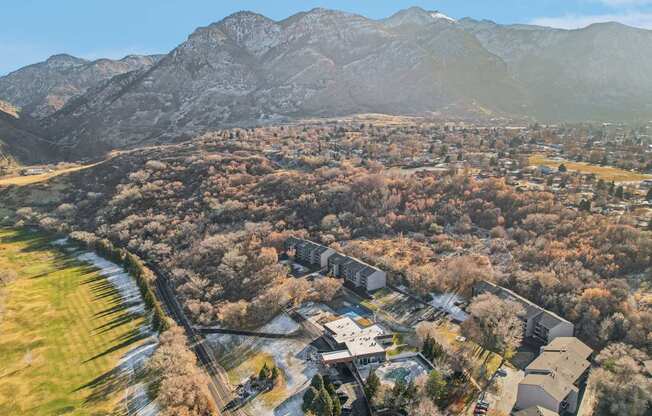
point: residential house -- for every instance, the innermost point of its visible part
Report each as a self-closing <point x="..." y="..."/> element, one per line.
<point x="539" y="324"/>
<point x="553" y="379"/>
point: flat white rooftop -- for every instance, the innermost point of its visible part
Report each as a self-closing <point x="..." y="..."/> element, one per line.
<point x="359" y="341"/>
<point x="336" y="356"/>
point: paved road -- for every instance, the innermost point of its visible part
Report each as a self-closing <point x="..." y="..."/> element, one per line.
<point x="218" y="385"/>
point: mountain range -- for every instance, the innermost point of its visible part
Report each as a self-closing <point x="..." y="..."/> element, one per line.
<point x="248" y="69"/>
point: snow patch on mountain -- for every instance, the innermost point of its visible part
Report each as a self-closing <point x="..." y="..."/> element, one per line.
<point x="439" y="15"/>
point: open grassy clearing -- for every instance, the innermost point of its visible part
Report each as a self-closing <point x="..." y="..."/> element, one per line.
<point x="244" y="356"/>
<point x="251" y="366"/>
<point x="606" y="173"/>
<point x="485" y="363"/>
<point x="63" y="332"/>
<point x="20" y="180"/>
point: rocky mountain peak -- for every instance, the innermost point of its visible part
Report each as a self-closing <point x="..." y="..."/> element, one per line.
<point x="416" y="16"/>
<point x="250" y="30"/>
<point x="63" y="60"/>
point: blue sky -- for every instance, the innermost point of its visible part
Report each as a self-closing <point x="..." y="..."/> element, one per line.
<point x="32" y="30"/>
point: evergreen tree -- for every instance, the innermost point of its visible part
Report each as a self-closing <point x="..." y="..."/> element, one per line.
<point x="337" y="405"/>
<point x="317" y="382"/>
<point x="410" y="392"/>
<point x="432" y="349"/>
<point x="426" y="350"/>
<point x="396" y="397"/>
<point x="562" y="168"/>
<point x="323" y="404"/>
<point x="600" y="185"/>
<point x="372" y="385"/>
<point x="329" y="387"/>
<point x="274" y="374"/>
<point x="265" y="373"/>
<point x="649" y="195"/>
<point x="308" y="399"/>
<point x="585" y="205"/>
<point x="436" y="387"/>
<point x="619" y="192"/>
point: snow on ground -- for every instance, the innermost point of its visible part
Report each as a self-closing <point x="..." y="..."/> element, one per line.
<point x="290" y="407"/>
<point x="119" y="278"/>
<point x="439" y="15"/>
<point x="297" y="359"/>
<point x="298" y="362"/>
<point x="447" y="301"/>
<point x="136" y="401"/>
<point x="282" y="324"/>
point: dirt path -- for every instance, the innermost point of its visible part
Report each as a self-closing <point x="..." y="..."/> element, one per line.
<point x="20" y="180"/>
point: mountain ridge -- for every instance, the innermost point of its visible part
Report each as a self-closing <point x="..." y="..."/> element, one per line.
<point x="42" y="88"/>
<point x="248" y="69"/>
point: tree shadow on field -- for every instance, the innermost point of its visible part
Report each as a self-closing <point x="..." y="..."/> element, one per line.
<point x="129" y="339"/>
<point x="112" y="383"/>
<point x="122" y="319"/>
<point x="32" y="239"/>
<point x="111" y="310"/>
<point x="103" y="289"/>
<point x="106" y="385"/>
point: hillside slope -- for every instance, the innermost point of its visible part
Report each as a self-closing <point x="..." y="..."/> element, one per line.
<point x="248" y="69"/>
<point x="17" y="143"/>
<point x="45" y="87"/>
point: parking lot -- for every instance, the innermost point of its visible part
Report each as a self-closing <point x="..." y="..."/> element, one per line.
<point x="503" y="401"/>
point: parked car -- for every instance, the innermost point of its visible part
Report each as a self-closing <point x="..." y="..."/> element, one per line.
<point x="501" y="372"/>
<point x="483" y="405"/>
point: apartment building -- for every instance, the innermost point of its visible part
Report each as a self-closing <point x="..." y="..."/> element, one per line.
<point x="359" y="273"/>
<point x="553" y="380"/>
<point x="309" y="252"/>
<point x="540" y="324"/>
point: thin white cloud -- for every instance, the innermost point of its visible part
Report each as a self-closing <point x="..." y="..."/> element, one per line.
<point x="574" y="21"/>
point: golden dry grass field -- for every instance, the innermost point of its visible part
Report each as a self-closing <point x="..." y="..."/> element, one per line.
<point x="20" y="180"/>
<point x="606" y="173"/>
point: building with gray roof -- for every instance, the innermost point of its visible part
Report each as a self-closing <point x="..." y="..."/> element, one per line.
<point x="539" y="324"/>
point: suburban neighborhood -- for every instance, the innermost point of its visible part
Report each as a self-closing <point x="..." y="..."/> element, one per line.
<point x="351" y="343"/>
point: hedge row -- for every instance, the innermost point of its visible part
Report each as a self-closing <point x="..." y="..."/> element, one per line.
<point x="135" y="266"/>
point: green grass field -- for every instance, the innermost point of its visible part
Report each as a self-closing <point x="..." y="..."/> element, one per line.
<point x="62" y="332"/>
